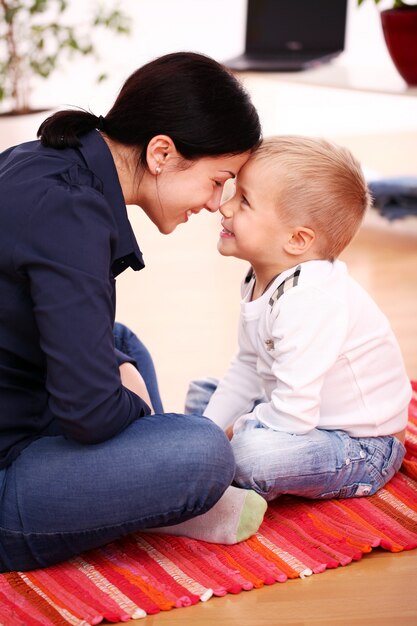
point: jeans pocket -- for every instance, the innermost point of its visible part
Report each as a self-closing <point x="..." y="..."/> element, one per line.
<point x="355" y="490"/>
<point x="358" y="472"/>
<point x="383" y="460"/>
<point x="394" y="460"/>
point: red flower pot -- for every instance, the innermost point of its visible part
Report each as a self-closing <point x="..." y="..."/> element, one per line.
<point x="400" y="32"/>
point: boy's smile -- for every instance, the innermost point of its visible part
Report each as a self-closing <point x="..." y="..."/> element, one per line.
<point x="226" y="233"/>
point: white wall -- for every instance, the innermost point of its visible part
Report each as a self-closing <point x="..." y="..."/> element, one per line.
<point x="214" y="27"/>
<point x="217" y="28"/>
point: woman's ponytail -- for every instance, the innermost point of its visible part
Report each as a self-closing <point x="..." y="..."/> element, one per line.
<point x="64" y="128"/>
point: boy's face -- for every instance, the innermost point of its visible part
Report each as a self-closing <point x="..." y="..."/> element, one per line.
<point x="252" y="228"/>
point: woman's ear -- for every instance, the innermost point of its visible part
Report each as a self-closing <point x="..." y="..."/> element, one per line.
<point x="301" y="240"/>
<point x="160" y="149"/>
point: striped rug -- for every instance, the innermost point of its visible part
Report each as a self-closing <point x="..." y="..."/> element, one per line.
<point x="144" y="574"/>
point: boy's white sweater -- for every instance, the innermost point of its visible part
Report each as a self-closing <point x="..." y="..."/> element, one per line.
<point x="320" y="353"/>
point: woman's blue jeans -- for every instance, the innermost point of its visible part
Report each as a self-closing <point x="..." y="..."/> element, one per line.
<point x="127" y="342"/>
<point x="60" y="497"/>
<point x="320" y="464"/>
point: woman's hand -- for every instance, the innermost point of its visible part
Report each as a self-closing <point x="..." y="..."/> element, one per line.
<point x="131" y="379"/>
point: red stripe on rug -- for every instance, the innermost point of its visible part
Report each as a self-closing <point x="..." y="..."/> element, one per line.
<point x="145" y="573"/>
<point x="32" y="596"/>
<point x="12" y="614"/>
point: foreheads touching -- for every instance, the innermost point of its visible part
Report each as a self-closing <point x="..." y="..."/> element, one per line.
<point x="317" y="184"/>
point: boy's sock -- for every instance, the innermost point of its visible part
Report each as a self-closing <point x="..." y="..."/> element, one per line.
<point x="235" y="517"/>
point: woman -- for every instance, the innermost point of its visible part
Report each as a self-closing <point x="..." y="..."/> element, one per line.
<point x="82" y="459"/>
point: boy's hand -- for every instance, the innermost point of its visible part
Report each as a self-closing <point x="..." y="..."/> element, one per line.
<point x="229" y="432"/>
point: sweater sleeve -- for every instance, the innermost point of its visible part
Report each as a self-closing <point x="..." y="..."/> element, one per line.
<point x="308" y="333"/>
<point x="65" y="255"/>
<point x="240" y="387"/>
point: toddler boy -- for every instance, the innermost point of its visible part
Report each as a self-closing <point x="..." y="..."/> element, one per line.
<point x="316" y="398"/>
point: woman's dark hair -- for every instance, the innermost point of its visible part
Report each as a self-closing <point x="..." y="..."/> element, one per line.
<point x="187" y="96"/>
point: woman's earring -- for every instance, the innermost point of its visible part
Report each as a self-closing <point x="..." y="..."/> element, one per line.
<point x="157" y="170"/>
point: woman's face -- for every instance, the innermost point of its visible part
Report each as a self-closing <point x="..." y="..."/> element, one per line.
<point x="181" y="189"/>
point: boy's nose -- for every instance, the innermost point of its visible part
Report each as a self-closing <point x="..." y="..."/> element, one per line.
<point x="226" y="209"/>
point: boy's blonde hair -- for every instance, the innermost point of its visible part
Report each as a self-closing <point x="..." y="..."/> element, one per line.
<point x="319" y="185"/>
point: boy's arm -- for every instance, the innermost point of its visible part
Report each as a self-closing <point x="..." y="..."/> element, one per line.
<point x="307" y="335"/>
<point x="239" y="389"/>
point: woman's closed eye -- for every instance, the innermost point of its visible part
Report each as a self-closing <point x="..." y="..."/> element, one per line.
<point x="244" y="200"/>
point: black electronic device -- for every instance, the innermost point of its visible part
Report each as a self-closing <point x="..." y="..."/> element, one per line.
<point x="291" y="35"/>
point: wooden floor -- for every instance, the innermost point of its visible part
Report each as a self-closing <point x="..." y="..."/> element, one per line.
<point x="185" y="305"/>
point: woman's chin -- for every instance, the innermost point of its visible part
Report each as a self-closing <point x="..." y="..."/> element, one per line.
<point x="166" y="229"/>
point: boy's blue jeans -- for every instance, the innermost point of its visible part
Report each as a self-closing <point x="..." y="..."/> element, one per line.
<point x="60" y="497"/>
<point x="319" y="464"/>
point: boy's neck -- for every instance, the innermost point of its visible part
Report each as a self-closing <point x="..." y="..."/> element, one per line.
<point x="264" y="275"/>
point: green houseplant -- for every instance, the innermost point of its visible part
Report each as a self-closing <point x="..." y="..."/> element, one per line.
<point x="396" y="4"/>
<point x="36" y="36"/>
<point x="399" y="25"/>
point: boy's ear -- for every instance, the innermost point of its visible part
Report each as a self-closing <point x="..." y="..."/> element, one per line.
<point x="160" y="149"/>
<point x="301" y="240"/>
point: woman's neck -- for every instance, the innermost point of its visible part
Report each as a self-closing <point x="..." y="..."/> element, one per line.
<point x="125" y="161"/>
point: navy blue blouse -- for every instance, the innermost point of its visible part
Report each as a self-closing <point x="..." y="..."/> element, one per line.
<point x="64" y="237"/>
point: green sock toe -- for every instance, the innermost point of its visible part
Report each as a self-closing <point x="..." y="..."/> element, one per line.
<point x="252" y="515"/>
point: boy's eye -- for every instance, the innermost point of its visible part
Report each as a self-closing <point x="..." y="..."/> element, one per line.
<point x="218" y="183"/>
<point x="244" y="200"/>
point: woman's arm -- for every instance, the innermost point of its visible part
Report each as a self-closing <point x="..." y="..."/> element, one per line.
<point x="131" y="379"/>
<point x="65" y="255"/>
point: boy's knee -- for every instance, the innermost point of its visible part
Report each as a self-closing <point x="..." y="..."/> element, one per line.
<point x="251" y="476"/>
<point x="248" y="470"/>
<point x="198" y="395"/>
<point x="245" y="473"/>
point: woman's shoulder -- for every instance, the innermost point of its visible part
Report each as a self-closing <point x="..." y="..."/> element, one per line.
<point x="29" y="172"/>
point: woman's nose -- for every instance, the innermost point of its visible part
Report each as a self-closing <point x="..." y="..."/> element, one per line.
<point x="213" y="204"/>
